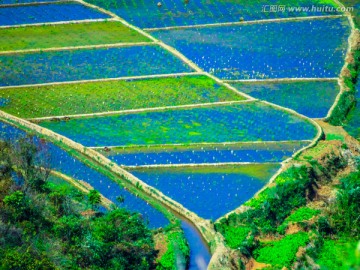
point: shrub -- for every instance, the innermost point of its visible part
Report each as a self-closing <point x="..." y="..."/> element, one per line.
<point x="283" y="252"/>
<point x="235" y="236"/>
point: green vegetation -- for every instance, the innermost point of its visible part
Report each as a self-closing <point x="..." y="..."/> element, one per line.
<point x="281" y="253"/>
<point x="97" y="97"/>
<point x="356" y="12"/>
<point x="347" y="99"/>
<point x="274" y="204"/>
<point x="235" y="236"/>
<point x="334" y="233"/>
<point x="339" y="137"/>
<point x="344" y="214"/>
<point x="65" y="35"/>
<point x="338" y="255"/>
<point x="177" y="253"/>
<point x="47" y="226"/>
<point x="302" y="214"/>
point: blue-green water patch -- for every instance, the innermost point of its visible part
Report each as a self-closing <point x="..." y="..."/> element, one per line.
<point x="4" y="102"/>
<point x="46" y="67"/>
<point x="147" y="14"/>
<point x="312" y="99"/>
<point x="301" y="49"/>
<point x="9" y="2"/>
<point x="210" y="192"/>
<point x="48" y="13"/>
<point x="232" y="123"/>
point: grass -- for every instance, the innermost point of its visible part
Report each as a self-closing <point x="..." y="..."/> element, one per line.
<point x="283" y="252"/>
<point x="97" y="97"/>
<point x="64" y="35"/>
<point x="338" y="255"/>
<point x="332" y="136"/>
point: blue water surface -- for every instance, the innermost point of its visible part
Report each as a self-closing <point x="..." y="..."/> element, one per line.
<point x="63" y="162"/>
<point x="232" y="123"/>
<point x="199" y="253"/>
<point x="208" y="194"/>
<point x="147" y="14"/>
<point x="303" y="49"/>
<point x="312" y="99"/>
<point x="46" y="67"/>
<point x="48" y="13"/>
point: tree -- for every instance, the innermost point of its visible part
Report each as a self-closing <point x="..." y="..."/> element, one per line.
<point x="16" y="205"/>
<point x="94" y="199"/>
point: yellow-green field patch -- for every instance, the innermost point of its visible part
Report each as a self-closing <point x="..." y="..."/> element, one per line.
<point x="65" y="35"/>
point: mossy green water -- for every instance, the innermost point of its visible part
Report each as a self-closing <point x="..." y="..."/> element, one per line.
<point x="64" y="35"/>
<point x="95" y="97"/>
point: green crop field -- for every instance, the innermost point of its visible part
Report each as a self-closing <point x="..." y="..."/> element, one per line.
<point x="64" y="35"/>
<point x="96" y="97"/>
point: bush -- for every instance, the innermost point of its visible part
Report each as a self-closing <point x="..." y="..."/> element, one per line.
<point x="344" y="216"/>
<point x="283" y="252"/>
<point x="337" y="254"/>
<point x="235" y="236"/>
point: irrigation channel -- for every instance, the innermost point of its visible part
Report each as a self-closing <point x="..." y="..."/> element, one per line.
<point x="199" y="251"/>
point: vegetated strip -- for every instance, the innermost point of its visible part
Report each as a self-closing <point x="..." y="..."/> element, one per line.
<point x="55" y="23"/>
<point x="72" y="48"/>
<point x="305" y="18"/>
<point x="283" y="80"/>
<point x="107" y="79"/>
<point x="168" y="48"/>
<point x="191" y="165"/>
<point x="34" y="3"/>
<point x="352" y="41"/>
<point x="83" y="187"/>
<point x="134" y="184"/>
<point x="194" y="146"/>
<point x="143" y="110"/>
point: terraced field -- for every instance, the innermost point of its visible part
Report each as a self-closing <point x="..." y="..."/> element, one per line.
<point x="47" y="13"/>
<point x="195" y="116"/>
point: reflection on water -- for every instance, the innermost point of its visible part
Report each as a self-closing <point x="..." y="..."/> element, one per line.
<point x="199" y="253"/>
